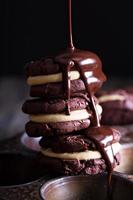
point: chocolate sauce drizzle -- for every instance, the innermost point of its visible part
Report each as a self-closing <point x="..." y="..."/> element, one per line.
<point x="90" y="69"/>
<point x="103" y="136"/>
<point x="70" y="39"/>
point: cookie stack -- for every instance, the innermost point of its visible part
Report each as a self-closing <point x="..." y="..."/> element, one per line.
<point x="117" y="107"/>
<point x="66" y="146"/>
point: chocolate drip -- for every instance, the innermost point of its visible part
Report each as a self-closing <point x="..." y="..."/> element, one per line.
<point x="70" y="39"/>
<point x="103" y="136"/>
<point x="90" y="69"/>
<point x="67" y="85"/>
<point x="93" y="105"/>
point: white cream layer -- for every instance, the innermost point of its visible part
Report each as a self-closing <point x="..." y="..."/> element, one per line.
<point x="52" y="78"/>
<point x="112" y="97"/>
<point x="74" y="115"/>
<point x="86" y="155"/>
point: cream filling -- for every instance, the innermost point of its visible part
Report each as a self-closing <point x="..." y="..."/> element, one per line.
<point x="74" y="115"/>
<point x="52" y="78"/>
<point x="86" y="155"/>
<point x="112" y="97"/>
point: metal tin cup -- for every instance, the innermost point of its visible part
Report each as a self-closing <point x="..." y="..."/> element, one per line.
<point x="87" y="188"/>
<point x="20" y="176"/>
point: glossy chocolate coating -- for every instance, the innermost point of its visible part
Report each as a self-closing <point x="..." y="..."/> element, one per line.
<point x="76" y="59"/>
<point x="102" y="137"/>
<point x="88" y="65"/>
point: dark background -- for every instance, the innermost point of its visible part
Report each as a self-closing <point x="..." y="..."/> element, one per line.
<point x="35" y="28"/>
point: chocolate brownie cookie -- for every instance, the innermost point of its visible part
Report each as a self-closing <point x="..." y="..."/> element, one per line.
<point x="117" y="107"/>
<point x="74" y="167"/>
<point x="34" y="129"/>
<point x="79" y="154"/>
<point x="43" y="66"/>
<point x="71" y="143"/>
<point x="68" y="143"/>
<point x="36" y="106"/>
<point x="54" y="90"/>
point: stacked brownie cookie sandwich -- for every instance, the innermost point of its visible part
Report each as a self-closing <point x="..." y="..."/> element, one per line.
<point x="63" y="110"/>
<point x="117" y="107"/>
<point x="49" y="109"/>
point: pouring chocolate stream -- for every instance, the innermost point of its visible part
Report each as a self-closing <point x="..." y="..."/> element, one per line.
<point x="90" y="69"/>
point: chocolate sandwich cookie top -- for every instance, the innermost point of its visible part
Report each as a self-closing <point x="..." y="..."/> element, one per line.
<point x="80" y="141"/>
<point x="43" y="66"/>
<point x="67" y="143"/>
<point x="34" y="129"/>
<point x="36" y="106"/>
<point x="40" y="105"/>
<point x="72" y="64"/>
<point x="54" y="65"/>
<point x="54" y="90"/>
